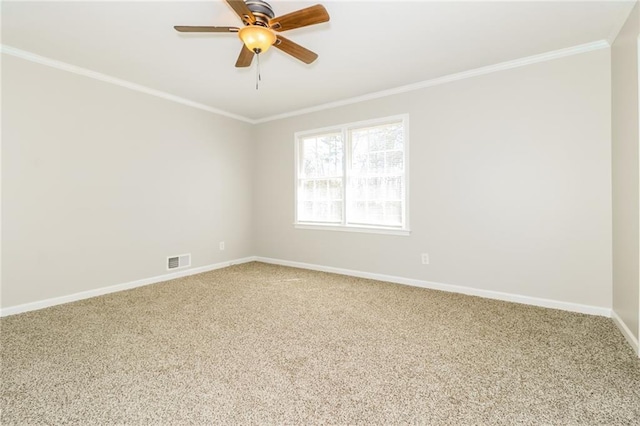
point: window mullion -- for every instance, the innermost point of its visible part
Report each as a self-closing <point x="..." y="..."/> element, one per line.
<point x="346" y="180"/>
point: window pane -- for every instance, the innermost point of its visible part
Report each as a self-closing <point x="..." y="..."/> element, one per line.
<point x="307" y="190"/>
<point x="393" y="188"/>
<point x="395" y="137"/>
<point x="375" y="163"/>
<point x="321" y="156"/>
<point x="321" y="189"/>
<point x="359" y="212"/>
<point x="376" y="139"/>
<point x="393" y="213"/>
<point x="359" y="188"/>
<point x="375" y="191"/>
<point x="336" y="211"/>
<point x="320" y="184"/>
<point x="377" y="175"/>
<point x="305" y="210"/>
<point x="320" y="200"/>
<point x="394" y="161"/>
<point x="335" y="189"/>
<point x="375" y="212"/>
<point x="359" y="158"/>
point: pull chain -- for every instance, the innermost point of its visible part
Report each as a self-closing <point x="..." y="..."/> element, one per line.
<point x="258" y="77"/>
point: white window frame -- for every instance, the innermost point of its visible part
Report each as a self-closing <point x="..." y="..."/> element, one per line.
<point x="344" y="130"/>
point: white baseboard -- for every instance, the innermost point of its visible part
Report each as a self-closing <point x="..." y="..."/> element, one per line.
<point x="489" y="294"/>
<point x="626" y="332"/>
<point x="509" y="297"/>
<point x="41" y="304"/>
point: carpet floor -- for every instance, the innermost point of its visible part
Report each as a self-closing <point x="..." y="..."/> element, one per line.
<point x="265" y="344"/>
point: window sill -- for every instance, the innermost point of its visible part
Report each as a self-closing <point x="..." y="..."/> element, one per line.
<point x="352" y="228"/>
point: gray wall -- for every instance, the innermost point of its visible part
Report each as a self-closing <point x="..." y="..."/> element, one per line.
<point x="626" y="178"/>
<point x="510" y="185"/>
<point x="100" y="184"/>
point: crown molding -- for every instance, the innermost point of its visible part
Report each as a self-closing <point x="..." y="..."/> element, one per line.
<point x="548" y="56"/>
<point x="619" y="23"/>
<point x="555" y="54"/>
<point x="23" y="54"/>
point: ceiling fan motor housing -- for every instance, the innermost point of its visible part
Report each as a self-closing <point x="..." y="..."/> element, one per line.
<point x="261" y="10"/>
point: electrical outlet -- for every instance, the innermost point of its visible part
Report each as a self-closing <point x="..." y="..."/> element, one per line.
<point x="425" y="258"/>
<point x="221" y="245"/>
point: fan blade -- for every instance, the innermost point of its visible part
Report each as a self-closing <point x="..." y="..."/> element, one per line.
<point x="308" y="16"/>
<point x="184" y="29"/>
<point x="242" y="10"/>
<point x="295" y="50"/>
<point x="245" y="58"/>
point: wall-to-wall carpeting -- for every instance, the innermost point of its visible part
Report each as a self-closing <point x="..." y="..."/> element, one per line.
<point x="257" y="343"/>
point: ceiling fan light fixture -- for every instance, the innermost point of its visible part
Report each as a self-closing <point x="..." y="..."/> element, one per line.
<point x="257" y="39"/>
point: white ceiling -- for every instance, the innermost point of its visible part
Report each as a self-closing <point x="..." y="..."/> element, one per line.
<point x="368" y="46"/>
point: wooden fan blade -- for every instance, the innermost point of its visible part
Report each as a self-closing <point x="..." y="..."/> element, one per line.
<point x="245" y="58"/>
<point x="187" y="29"/>
<point x="308" y="16"/>
<point x="242" y="11"/>
<point x="295" y="50"/>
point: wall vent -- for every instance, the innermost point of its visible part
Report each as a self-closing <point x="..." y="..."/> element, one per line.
<point x="180" y="261"/>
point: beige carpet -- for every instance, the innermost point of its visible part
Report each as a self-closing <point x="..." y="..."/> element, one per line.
<point x="263" y="344"/>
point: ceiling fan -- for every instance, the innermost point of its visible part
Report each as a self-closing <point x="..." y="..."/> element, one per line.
<point x="261" y="28"/>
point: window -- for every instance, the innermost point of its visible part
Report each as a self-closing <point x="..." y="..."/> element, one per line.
<point x="354" y="177"/>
